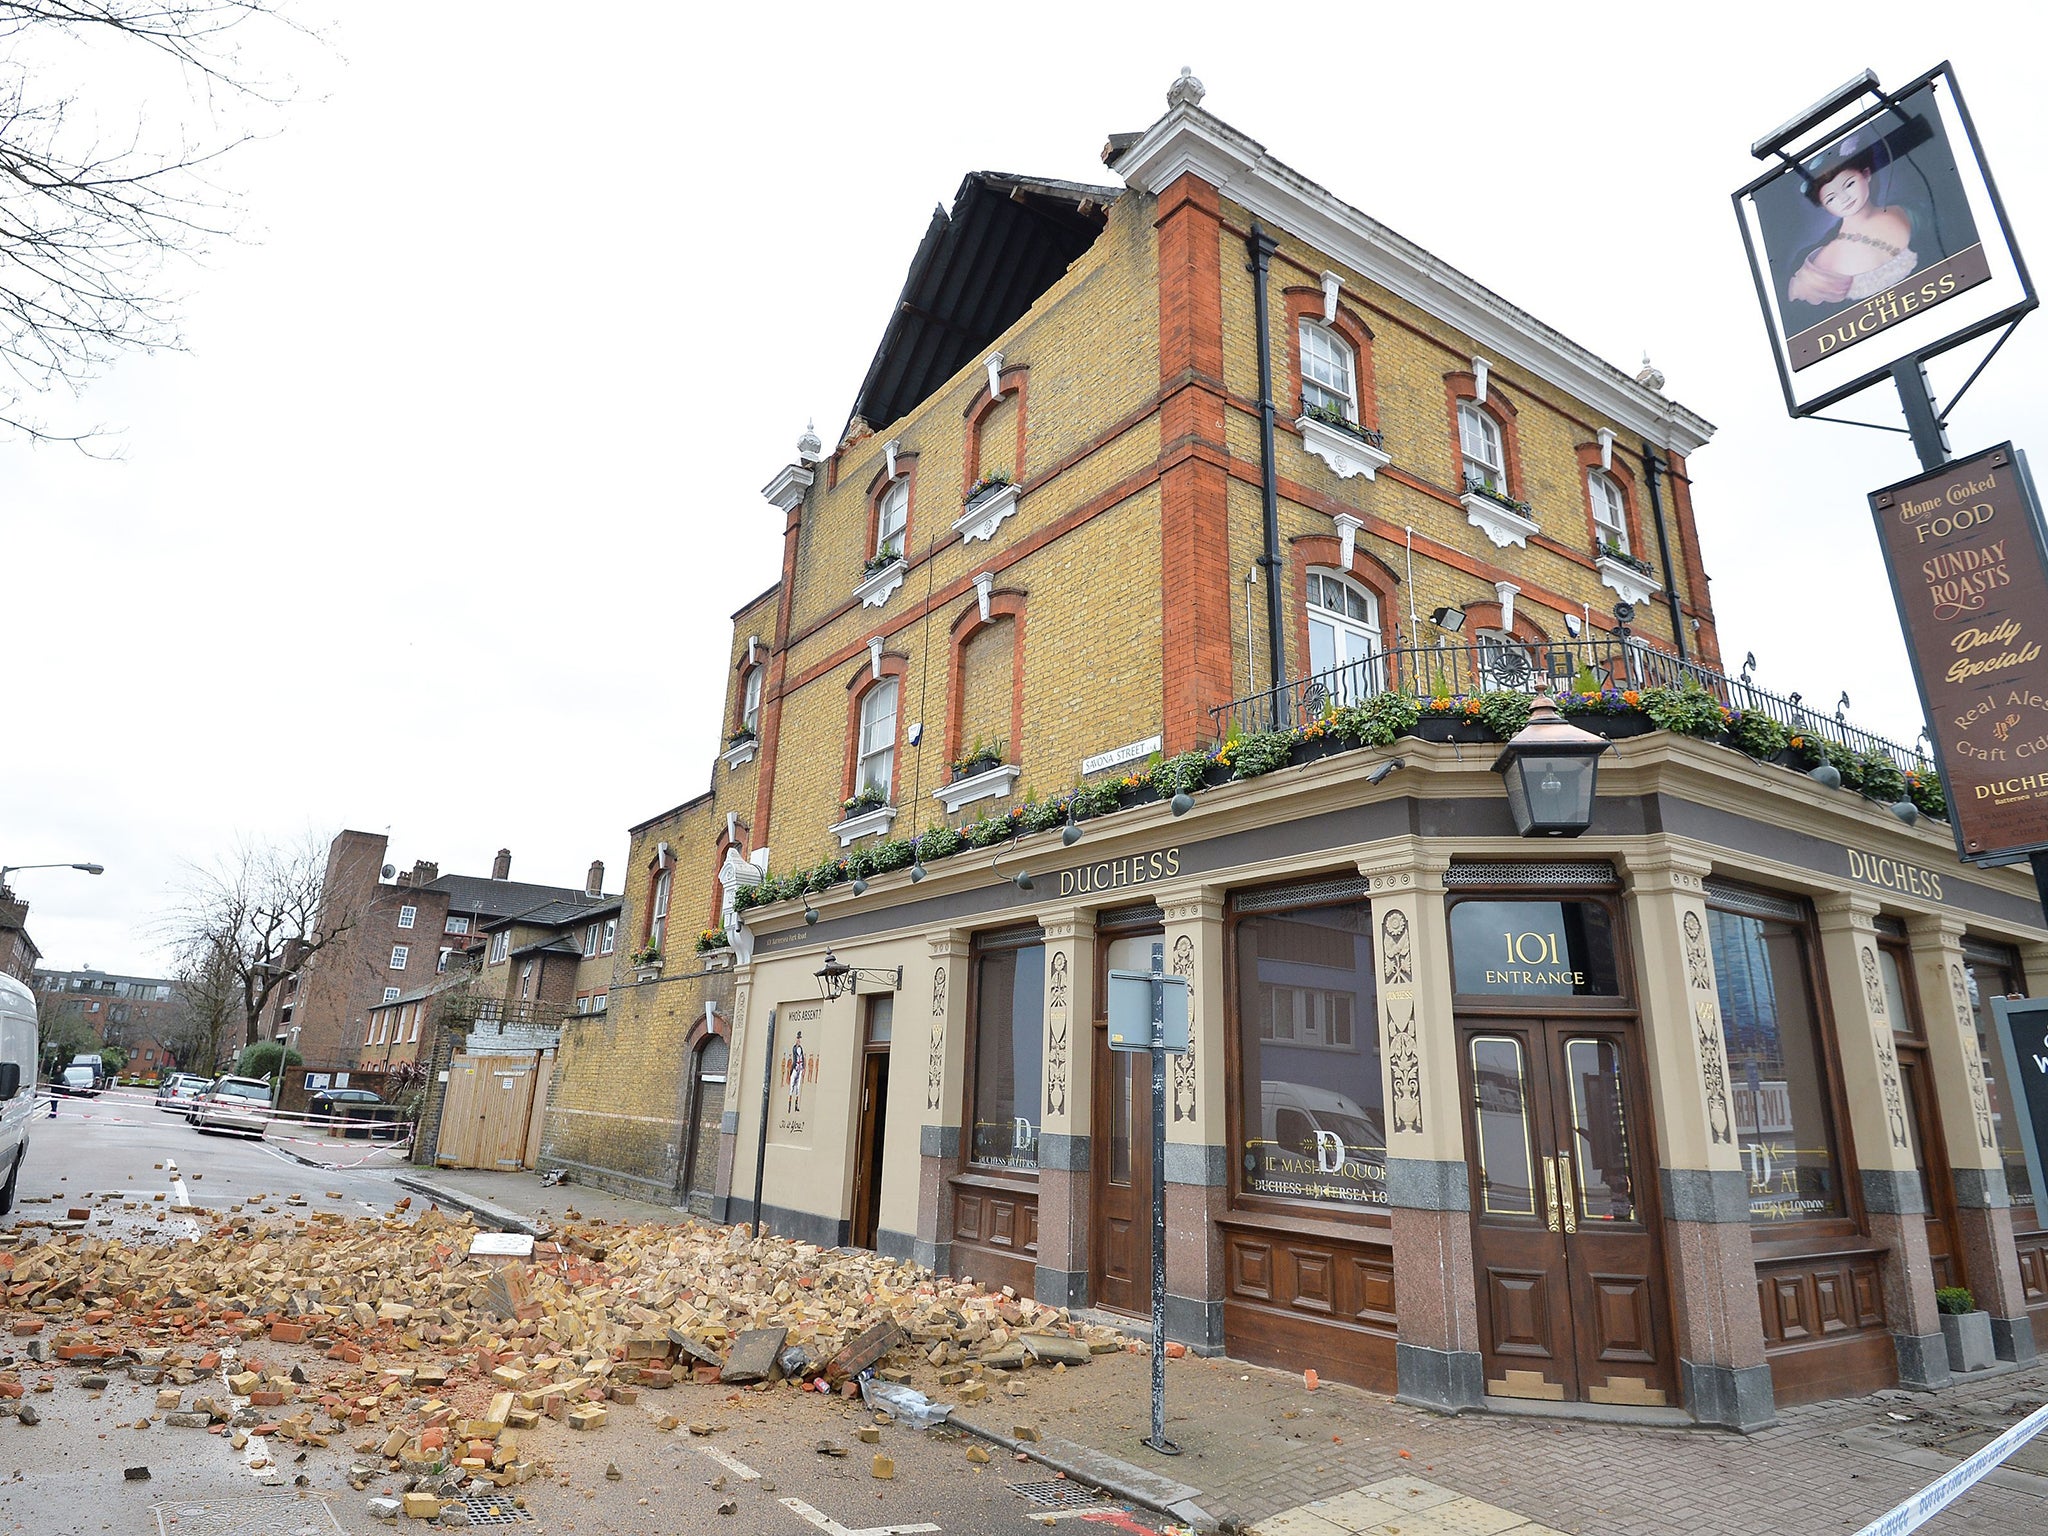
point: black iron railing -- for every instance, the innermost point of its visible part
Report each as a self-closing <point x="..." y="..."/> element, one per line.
<point x="1562" y="667"/>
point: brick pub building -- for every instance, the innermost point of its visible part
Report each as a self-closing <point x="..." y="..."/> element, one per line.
<point x="1690" y="1113"/>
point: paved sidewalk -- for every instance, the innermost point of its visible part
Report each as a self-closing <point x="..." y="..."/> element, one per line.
<point x="519" y="1202"/>
<point x="1257" y="1446"/>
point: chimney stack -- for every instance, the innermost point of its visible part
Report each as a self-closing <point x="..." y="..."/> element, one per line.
<point x="593" y="884"/>
<point x="404" y="877"/>
<point x="501" y="866"/>
<point x="424" y="871"/>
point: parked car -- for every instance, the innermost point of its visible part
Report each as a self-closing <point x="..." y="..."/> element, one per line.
<point x="234" y="1104"/>
<point x="17" y="1081"/>
<point x="333" y="1101"/>
<point x="178" y="1091"/>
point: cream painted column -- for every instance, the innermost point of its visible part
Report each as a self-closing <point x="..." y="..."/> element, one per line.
<point x="1197" y="1123"/>
<point x="942" y="1023"/>
<point x="1983" y="1205"/>
<point x="1711" y="1257"/>
<point x="1894" y="1204"/>
<point x="729" y="1121"/>
<point x="1063" y="1145"/>
<point x="1437" y="1357"/>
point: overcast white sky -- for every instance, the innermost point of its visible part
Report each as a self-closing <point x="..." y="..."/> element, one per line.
<point x="436" y="525"/>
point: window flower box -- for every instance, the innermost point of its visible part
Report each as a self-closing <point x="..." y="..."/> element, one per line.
<point x="1348" y="448"/>
<point x="1498" y="515"/>
<point x="986" y="783"/>
<point x="1628" y="575"/>
<point x="987" y="506"/>
<point x="865" y="821"/>
<point x="881" y="576"/>
<point x="740" y="748"/>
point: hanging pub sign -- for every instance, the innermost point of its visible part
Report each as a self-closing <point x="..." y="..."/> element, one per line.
<point x="1883" y="240"/>
<point x="1969" y="571"/>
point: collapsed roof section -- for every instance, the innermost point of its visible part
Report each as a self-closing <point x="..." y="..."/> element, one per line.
<point x="1007" y="240"/>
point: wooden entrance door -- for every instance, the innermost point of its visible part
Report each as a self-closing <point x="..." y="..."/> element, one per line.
<point x="707" y="1116"/>
<point x="1930" y="1157"/>
<point x="867" y="1168"/>
<point x="1121" y="1227"/>
<point x="1572" y="1300"/>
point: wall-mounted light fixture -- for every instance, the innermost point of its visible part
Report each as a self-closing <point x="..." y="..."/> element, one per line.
<point x="836" y="978"/>
<point x="1450" y="618"/>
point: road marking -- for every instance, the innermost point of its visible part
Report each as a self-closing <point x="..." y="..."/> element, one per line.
<point x="831" y="1527"/>
<point x="731" y="1463"/>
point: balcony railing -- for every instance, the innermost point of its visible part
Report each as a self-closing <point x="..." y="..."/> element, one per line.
<point x="1563" y="666"/>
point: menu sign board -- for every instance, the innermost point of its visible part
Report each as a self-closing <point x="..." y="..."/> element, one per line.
<point x="1969" y="573"/>
<point x="2020" y="1025"/>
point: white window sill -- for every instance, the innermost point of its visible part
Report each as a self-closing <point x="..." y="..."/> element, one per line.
<point x="1632" y="585"/>
<point x="1346" y="453"/>
<point x="1499" y="523"/>
<point x="866" y="824"/>
<point x="990" y="784"/>
<point x="740" y="753"/>
<point x="983" y="517"/>
<point x="873" y="591"/>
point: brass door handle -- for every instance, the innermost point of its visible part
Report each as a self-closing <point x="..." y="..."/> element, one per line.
<point x="1567" y="1196"/>
<point x="1550" y="1192"/>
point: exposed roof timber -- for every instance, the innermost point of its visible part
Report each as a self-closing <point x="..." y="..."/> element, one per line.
<point x="978" y="268"/>
<point x="1189" y="139"/>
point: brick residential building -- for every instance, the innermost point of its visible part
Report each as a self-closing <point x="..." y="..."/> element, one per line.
<point x="146" y="1016"/>
<point x="1194" y="543"/>
<point x="18" y="952"/>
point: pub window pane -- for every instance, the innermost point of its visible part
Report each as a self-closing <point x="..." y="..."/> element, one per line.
<point x="1500" y="1099"/>
<point x="1782" y="1126"/>
<point x="1895" y="993"/>
<point x="1534" y="949"/>
<point x="1314" y="1122"/>
<point x="1599" y="1143"/>
<point x="1009" y="1025"/>
<point x="1985" y="981"/>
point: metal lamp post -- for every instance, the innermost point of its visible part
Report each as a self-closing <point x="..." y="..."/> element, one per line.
<point x="90" y="869"/>
<point x="1550" y="768"/>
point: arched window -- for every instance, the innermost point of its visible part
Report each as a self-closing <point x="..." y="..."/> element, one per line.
<point x="1343" y="635"/>
<point x="875" y="763"/>
<point x="1610" y="510"/>
<point x="1328" y="373"/>
<point x="1486" y="463"/>
<point x="892" y="515"/>
<point x="750" y="700"/>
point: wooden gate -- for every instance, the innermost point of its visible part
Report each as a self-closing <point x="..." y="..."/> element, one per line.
<point x="488" y="1117"/>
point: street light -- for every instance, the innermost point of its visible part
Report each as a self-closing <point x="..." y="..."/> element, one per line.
<point x="836" y="978"/>
<point x="1549" y="769"/>
<point x="90" y="869"/>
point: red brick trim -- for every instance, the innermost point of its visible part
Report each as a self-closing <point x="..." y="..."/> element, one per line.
<point x="1322" y="550"/>
<point x="698" y="1033"/>
<point x="778" y="666"/>
<point x="1624" y="478"/>
<point x="858" y="684"/>
<point x="906" y="469"/>
<point x="1003" y="605"/>
<point x="1463" y="386"/>
<point x="1015" y="381"/>
<point x="1480" y="616"/>
<point x="1697" y="598"/>
<point x="1307" y="304"/>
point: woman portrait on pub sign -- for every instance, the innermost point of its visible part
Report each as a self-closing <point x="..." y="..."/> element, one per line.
<point x="1881" y="210"/>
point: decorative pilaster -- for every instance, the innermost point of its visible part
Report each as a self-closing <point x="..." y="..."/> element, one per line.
<point x="1983" y="1214"/>
<point x="942" y="1025"/>
<point x="1704" y="1188"/>
<point x="1063" y="1139"/>
<point x="1197" y="1154"/>
<point x="1429" y="1193"/>
<point x="1894" y="1204"/>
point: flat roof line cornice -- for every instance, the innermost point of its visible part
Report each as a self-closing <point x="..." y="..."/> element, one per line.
<point x="1188" y="140"/>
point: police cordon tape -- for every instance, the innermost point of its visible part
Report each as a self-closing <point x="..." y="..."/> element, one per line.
<point x="1945" y="1490"/>
<point x="393" y="1133"/>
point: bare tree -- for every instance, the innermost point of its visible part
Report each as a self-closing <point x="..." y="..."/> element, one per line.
<point x="249" y="922"/>
<point x="61" y="1032"/>
<point x="210" y="1022"/>
<point x="90" y="221"/>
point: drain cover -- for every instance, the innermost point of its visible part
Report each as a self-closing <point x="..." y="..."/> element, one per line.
<point x="251" y="1515"/>
<point x="491" y="1509"/>
<point x="1055" y="1493"/>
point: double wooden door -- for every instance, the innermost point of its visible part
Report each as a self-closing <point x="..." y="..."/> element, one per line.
<point x="1573" y="1304"/>
<point x="1120" y="1225"/>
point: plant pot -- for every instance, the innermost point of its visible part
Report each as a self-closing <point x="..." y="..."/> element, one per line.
<point x="1146" y="793"/>
<point x="1451" y="728"/>
<point x="1613" y="727"/>
<point x="1321" y="746"/>
<point x="1968" y="1337"/>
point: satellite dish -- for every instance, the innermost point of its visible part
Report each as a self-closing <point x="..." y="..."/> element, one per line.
<point x="389" y="870"/>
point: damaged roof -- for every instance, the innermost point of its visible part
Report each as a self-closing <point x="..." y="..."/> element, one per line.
<point x="1007" y="240"/>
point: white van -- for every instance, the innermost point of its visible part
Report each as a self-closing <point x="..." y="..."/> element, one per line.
<point x="17" y="1082"/>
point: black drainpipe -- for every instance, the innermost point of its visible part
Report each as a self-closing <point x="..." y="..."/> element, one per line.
<point x="1651" y="465"/>
<point x="1262" y="246"/>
